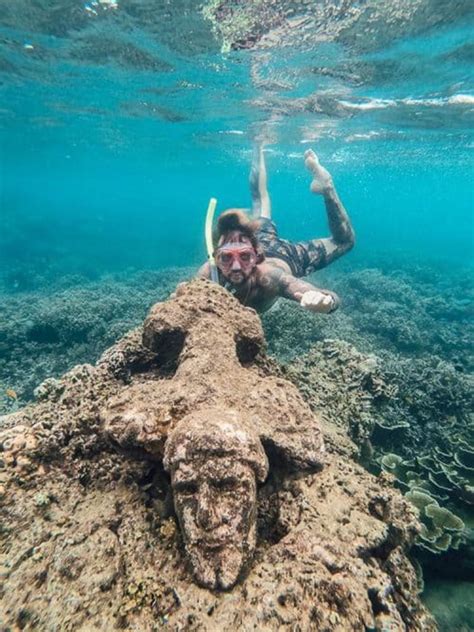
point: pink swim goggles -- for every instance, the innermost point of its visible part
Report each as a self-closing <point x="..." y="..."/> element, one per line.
<point x="236" y="256"/>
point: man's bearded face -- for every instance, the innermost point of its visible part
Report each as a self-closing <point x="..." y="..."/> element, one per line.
<point x="216" y="502"/>
<point x="236" y="260"/>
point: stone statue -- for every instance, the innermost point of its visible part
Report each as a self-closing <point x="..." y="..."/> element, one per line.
<point x="183" y="480"/>
<point x="215" y="465"/>
<point x="210" y="352"/>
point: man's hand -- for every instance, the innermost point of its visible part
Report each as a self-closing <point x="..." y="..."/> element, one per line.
<point x="322" y="181"/>
<point x="307" y="295"/>
<point x="316" y="301"/>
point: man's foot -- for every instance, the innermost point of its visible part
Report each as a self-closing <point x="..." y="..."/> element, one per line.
<point x="322" y="180"/>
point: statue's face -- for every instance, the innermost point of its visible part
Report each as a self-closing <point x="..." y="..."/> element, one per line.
<point x="215" y="499"/>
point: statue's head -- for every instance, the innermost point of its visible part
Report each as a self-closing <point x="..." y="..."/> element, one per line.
<point x="215" y="464"/>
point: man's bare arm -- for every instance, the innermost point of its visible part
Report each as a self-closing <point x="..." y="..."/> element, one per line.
<point x="307" y="295"/>
<point x="342" y="234"/>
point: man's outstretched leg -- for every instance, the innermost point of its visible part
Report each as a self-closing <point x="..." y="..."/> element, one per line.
<point x="261" y="205"/>
<point x="322" y="180"/>
<point x="342" y="234"/>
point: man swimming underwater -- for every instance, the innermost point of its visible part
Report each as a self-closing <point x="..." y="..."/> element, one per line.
<point x="258" y="267"/>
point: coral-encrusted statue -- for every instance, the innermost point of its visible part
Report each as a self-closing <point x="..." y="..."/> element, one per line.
<point x="216" y="414"/>
<point x="215" y="465"/>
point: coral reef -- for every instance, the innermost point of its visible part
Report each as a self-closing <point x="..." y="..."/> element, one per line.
<point x="343" y="384"/>
<point x="441" y="528"/>
<point x="399" y="384"/>
<point x="89" y="534"/>
<point x="420" y="312"/>
<point x="397" y="397"/>
<point x="412" y="417"/>
<point x="429" y="424"/>
<point x="43" y="334"/>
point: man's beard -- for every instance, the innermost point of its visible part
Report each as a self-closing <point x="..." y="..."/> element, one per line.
<point x="241" y="279"/>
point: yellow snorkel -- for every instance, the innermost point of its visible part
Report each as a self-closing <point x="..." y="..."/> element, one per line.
<point x="209" y="245"/>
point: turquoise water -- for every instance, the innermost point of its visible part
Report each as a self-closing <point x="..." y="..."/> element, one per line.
<point x="118" y="122"/>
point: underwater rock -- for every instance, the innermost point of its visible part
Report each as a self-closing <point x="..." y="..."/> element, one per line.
<point x="90" y="538"/>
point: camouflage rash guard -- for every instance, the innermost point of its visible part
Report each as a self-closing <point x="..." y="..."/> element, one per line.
<point x="303" y="257"/>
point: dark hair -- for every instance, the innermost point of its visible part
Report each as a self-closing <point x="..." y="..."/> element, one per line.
<point x="236" y="220"/>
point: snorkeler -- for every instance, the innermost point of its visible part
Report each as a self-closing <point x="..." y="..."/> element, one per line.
<point x="258" y="267"/>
